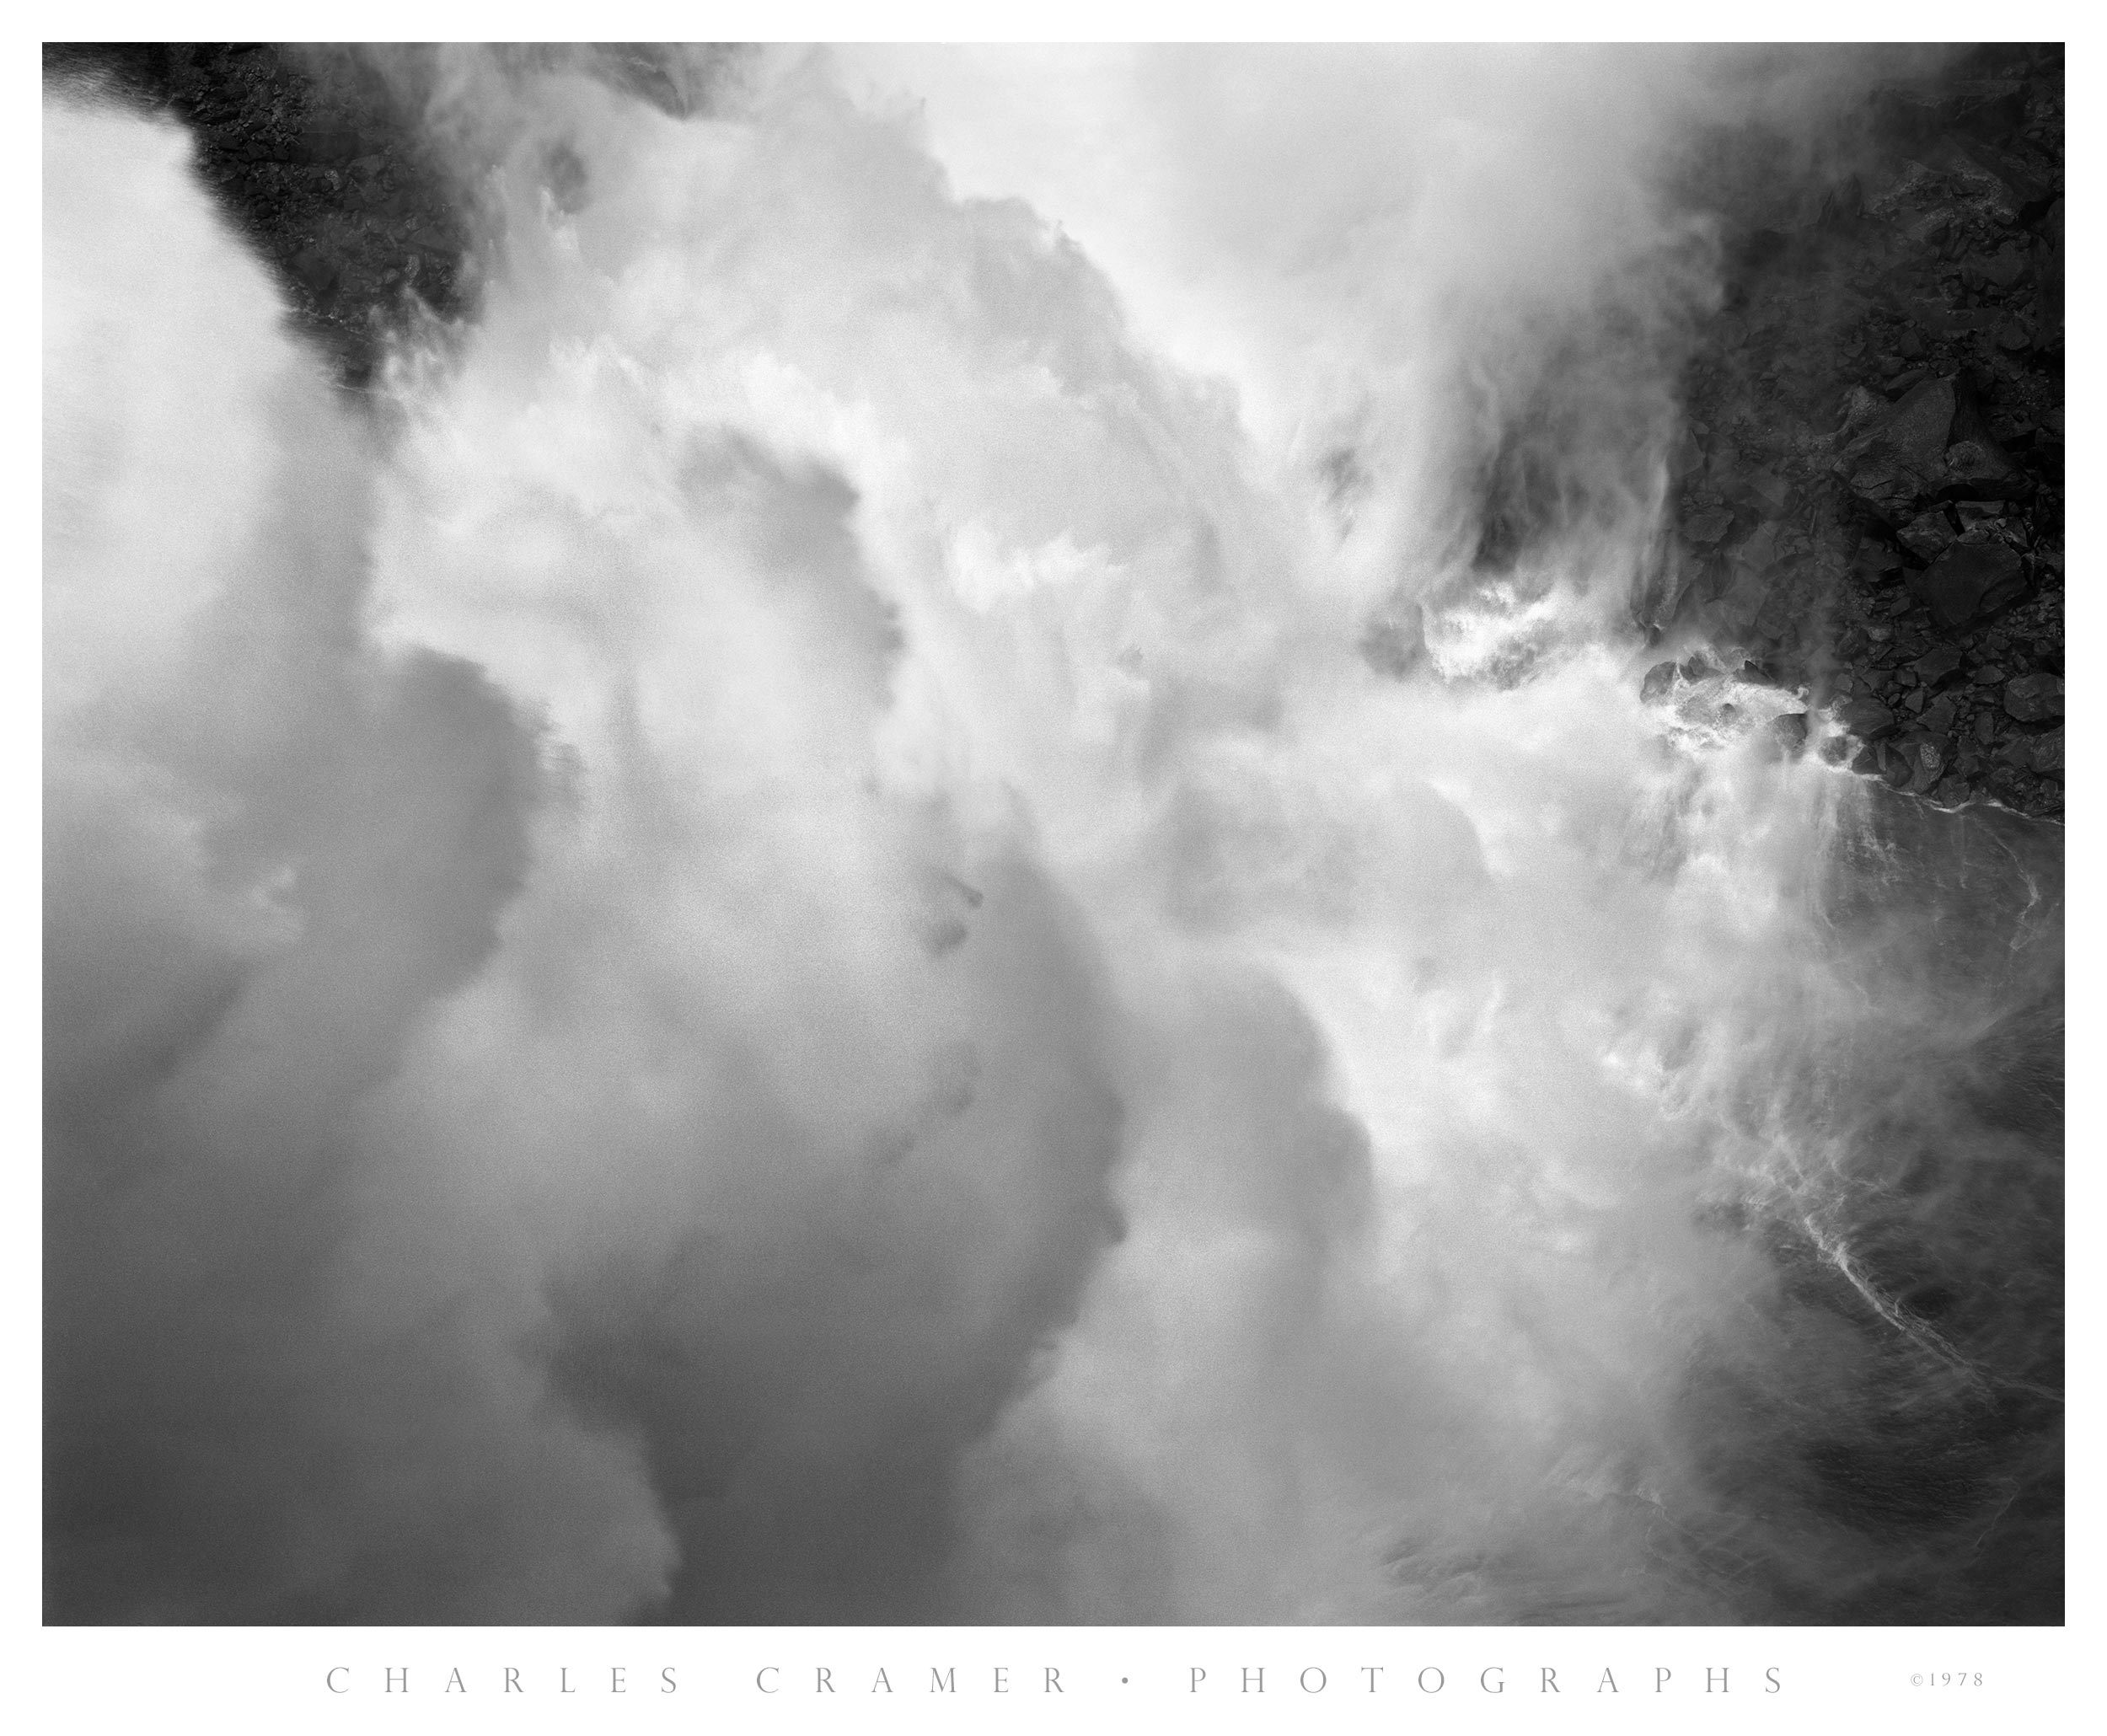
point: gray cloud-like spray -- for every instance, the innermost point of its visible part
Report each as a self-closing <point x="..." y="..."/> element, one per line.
<point x="855" y="923"/>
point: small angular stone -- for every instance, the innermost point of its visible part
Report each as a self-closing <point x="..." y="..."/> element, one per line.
<point x="1927" y="761"/>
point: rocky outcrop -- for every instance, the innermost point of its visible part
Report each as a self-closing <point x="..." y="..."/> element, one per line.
<point x="321" y="156"/>
<point x="1878" y="517"/>
<point x="319" y="159"/>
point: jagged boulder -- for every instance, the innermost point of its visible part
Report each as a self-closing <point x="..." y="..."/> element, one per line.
<point x="1866" y="717"/>
<point x="1969" y="581"/>
<point x="1788" y="729"/>
<point x="1975" y="462"/>
<point x="1901" y="458"/>
<point x="1928" y="536"/>
<point x="2034" y="699"/>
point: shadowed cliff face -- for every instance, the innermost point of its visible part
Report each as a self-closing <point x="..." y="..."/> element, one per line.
<point x="850" y="905"/>
<point x="1870" y="499"/>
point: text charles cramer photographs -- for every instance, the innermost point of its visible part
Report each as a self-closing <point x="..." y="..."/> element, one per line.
<point x="1050" y="1679"/>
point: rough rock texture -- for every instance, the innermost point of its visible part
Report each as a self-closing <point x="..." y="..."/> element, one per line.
<point x="318" y="158"/>
<point x="1890" y="350"/>
<point x="321" y="155"/>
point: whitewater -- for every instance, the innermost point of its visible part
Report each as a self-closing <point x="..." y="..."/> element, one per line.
<point x="866" y="909"/>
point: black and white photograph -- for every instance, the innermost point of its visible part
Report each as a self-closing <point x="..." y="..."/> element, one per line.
<point x="915" y="836"/>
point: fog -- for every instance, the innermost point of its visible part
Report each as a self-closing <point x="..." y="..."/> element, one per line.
<point x="880" y="907"/>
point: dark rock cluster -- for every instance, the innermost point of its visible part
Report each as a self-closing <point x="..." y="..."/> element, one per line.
<point x="318" y="159"/>
<point x="1870" y="498"/>
<point x="323" y="157"/>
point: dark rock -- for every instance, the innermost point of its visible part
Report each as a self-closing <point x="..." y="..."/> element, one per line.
<point x="1987" y="107"/>
<point x="1969" y="581"/>
<point x="1789" y="730"/>
<point x="1705" y="528"/>
<point x="2048" y="754"/>
<point x="2048" y="272"/>
<point x="1928" y="536"/>
<point x="1925" y="759"/>
<point x="1757" y="553"/>
<point x="1866" y="718"/>
<point x="1780" y="614"/>
<point x="329" y="143"/>
<point x="1877" y="561"/>
<point x="1980" y="185"/>
<point x="1660" y="680"/>
<point x="1940" y="664"/>
<point x="2016" y="187"/>
<point x="1980" y="465"/>
<point x="1954" y="322"/>
<point x="318" y="269"/>
<point x="1843" y="202"/>
<point x="1914" y="185"/>
<point x="1766" y="491"/>
<point x="2033" y="699"/>
<point x="1861" y="409"/>
<point x="1902" y="457"/>
<point x="1734" y="613"/>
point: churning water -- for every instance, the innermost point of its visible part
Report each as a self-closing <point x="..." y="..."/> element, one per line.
<point x="869" y="912"/>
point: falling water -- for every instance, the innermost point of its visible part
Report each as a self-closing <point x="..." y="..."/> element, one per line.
<point x="879" y="908"/>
